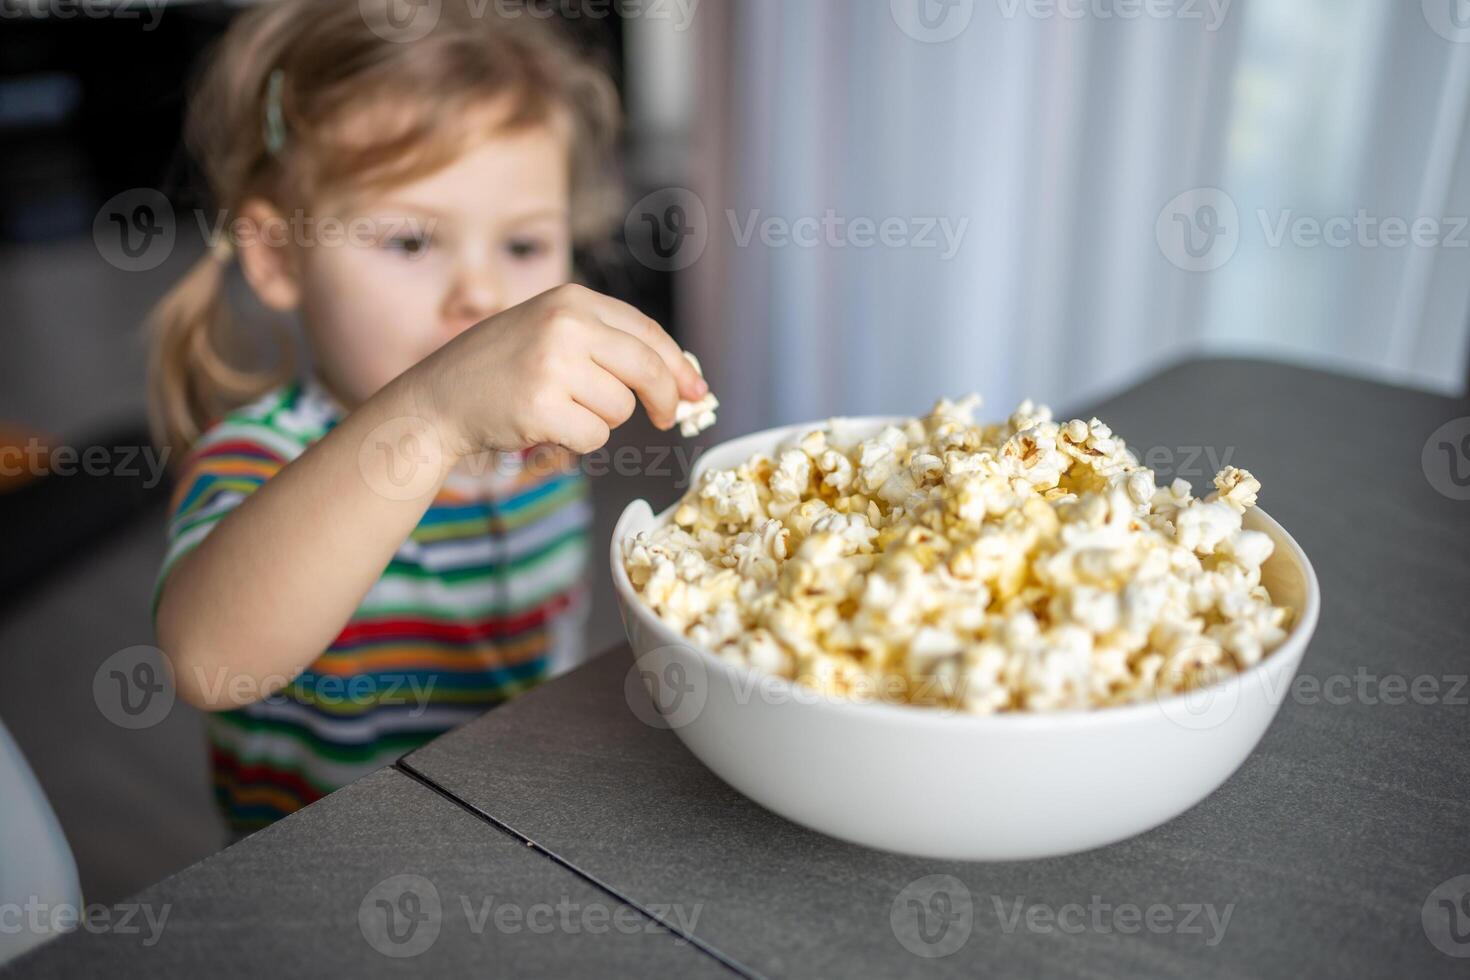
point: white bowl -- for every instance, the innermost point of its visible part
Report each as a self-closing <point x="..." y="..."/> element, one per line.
<point x="942" y="784"/>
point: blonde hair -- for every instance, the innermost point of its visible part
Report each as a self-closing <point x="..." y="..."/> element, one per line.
<point x="319" y="68"/>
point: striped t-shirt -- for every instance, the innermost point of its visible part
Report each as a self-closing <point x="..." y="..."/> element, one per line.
<point x="477" y="606"/>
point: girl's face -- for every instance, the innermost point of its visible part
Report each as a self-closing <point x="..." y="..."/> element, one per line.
<point x="484" y="234"/>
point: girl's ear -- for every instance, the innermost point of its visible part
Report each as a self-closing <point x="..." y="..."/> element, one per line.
<point x="263" y="246"/>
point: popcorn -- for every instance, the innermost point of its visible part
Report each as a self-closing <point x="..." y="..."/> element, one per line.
<point x="694" y="417"/>
<point x="790" y="482"/>
<point x="1032" y="565"/>
<point x="838" y="472"/>
<point x="757" y="555"/>
<point x="730" y="497"/>
<point x="854" y="530"/>
<point x="1236" y="487"/>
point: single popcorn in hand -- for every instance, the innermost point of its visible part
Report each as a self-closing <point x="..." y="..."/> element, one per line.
<point x="1030" y="565"/>
<point x="694" y="417"/>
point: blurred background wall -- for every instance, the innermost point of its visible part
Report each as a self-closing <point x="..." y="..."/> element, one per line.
<point x="1124" y="184"/>
<point x="842" y="206"/>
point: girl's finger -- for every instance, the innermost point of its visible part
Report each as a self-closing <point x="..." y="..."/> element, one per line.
<point x="628" y="319"/>
<point x="602" y="393"/>
<point x="639" y="367"/>
<point x="578" y="428"/>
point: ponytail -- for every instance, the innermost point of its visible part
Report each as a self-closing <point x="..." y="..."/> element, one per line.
<point x="192" y="381"/>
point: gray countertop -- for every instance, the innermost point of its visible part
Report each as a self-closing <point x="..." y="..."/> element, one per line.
<point x="1327" y="853"/>
<point x="384" y="877"/>
<point x="1323" y="849"/>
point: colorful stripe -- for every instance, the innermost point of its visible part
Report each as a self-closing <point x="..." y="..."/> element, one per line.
<point x="467" y="614"/>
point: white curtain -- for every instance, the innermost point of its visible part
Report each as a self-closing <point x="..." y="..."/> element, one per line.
<point x="1068" y="147"/>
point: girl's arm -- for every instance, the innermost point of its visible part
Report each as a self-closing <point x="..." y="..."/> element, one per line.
<point x="278" y="578"/>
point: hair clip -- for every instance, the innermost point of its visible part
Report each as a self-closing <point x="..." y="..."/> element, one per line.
<point x="275" y="120"/>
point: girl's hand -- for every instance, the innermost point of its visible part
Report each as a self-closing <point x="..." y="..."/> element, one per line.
<point x="563" y="368"/>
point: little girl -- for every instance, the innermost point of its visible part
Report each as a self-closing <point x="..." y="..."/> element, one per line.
<point x="370" y="556"/>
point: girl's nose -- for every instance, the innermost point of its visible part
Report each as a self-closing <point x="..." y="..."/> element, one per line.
<point x="476" y="295"/>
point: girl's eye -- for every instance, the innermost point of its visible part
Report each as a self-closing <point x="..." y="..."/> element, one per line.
<point x="409" y="245"/>
<point x="525" y="248"/>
